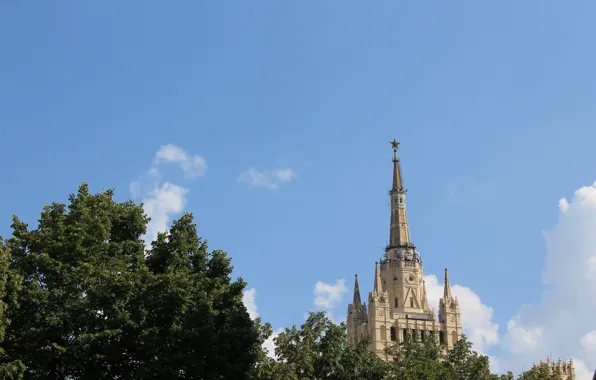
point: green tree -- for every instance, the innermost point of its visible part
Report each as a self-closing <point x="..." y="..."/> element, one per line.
<point x="428" y="360"/>
<point x="508" y="376"/>
<point x="466" y="364"/>
<point x="95" y="305"/>
<point x="9" y="285"/>
<point x="413" y="359"/>
<point x="541" y="372"/>
<point x="319" y="349"/>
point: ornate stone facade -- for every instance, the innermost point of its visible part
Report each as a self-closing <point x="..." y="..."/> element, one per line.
<point x="566" y="369"/>
<point x="398" y="302"/>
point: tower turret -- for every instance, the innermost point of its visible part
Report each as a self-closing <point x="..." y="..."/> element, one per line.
<point x="447" y="287"/>
<point x="357" y="300"/>
<point x="357" y="314"/>
<point x="379" y="316"/>
<point x="425" y="306"/>
<point x="449" y="315"/>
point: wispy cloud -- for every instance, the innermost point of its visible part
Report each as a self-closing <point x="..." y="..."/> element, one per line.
<point x="160" y="205"/>
<point x="162" y="200"/>
<point x="270" y="180"/>
<point x="328" y="296"/>
<point x="194" y="166"/>
<point x="249" y="299"/>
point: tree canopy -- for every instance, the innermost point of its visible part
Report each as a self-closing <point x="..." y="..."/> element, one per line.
<point x="320" y="349"/>
<point x="82" y="299"/>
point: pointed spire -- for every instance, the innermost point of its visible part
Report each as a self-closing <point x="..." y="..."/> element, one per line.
<point x="399" y="232"/>
<point x="357" y="300"/>
<point x="424" y="297"/>
<point x="378" y="286"/>
<point x="397" y="184"/>
<point x="447" y="289"/>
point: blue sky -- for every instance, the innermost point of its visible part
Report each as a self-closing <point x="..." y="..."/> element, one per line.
<point x="493" y="103"/>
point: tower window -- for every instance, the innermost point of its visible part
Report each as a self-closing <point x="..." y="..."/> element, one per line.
<point x="393" y="334"/>
<point x="441" y="337"/>
<point x="396" y="302"/>
<point x="411" y="301"/>
<point x="422" y="335"/>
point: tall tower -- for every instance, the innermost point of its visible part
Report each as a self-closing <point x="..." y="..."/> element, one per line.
<point x="398" y="304"/>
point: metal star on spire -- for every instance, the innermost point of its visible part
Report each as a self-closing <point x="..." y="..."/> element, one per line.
<point x="394" y="144"/>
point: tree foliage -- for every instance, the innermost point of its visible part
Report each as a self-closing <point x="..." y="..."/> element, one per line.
<point x="10" y="368"/>
<point x="82" y="299"/>
<point x="320" y="349"/>
<point x="542" y="372"/>
<point x="429" y="360"/>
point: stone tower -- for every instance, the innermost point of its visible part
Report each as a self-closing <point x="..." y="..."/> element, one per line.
<point x="398" y="302"/>
<point x="565" y="369"/>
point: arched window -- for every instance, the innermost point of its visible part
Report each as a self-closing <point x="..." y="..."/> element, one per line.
<point x="393" y="334"/>
<point x="396" y="302"/>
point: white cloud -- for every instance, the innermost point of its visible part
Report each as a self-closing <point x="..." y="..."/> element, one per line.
<point x="249" y="299"/>
<point x="591" y="272"/>
<point x="476" y="317"/>
<point x="328" y="296"/>
<point x="558" y="325"/>
<point x="520" y="339"/>
<point x="250" y="302"/>
<point x="495" y="365"/>
<point x="335" y="318"/>
<point x="581" y="370"/>
<point x="270" y="180"/>
<point x="135" y="189"/>
<point x="162" y="200"/>
<point x="194" y="166"/>
<point x="269" y="344"/>
<point x="588" y="342"/>
<point x="162" y="203"/>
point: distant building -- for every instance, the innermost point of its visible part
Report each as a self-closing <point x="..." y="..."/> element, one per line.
<point x="567" y="369"/>
<point x="398" y="303"/>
